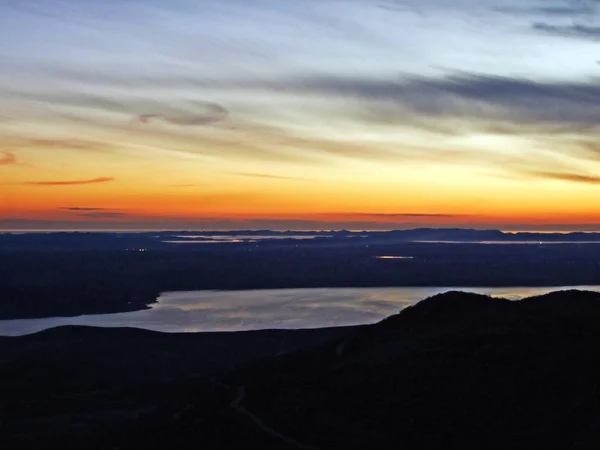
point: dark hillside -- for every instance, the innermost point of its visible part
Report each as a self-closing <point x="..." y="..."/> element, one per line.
<point x="455" y="371"/>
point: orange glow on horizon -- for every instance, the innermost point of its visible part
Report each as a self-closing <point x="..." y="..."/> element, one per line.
<point x="106" y="188"/>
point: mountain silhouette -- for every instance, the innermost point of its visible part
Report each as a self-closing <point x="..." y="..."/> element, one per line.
<point x="454" y="371"/>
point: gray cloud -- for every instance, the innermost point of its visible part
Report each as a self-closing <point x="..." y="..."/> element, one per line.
<point x="576" y="31"/>
<point x="415" y="101"/>
<point x="207" y="113"/>
<point x="572" y="9"/>
<point x="581" y="14"/>
<point x="179" y="112"/>
<point x="575" y="8"/>
<point x="78" y="208"/>
<point x="483" y="100"/>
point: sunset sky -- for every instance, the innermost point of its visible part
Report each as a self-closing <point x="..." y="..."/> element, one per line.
<point x="359" y="114"/>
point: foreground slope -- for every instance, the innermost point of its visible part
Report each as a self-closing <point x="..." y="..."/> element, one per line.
<point x="456" y="370"/>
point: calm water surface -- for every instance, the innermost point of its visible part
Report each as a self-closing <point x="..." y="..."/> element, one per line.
<point x="259" y="309"/>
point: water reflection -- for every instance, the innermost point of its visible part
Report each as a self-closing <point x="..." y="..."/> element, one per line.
<point x="277" y="308"/>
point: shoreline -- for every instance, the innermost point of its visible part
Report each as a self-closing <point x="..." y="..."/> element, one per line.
<point x="286" y="309"/>
<point x="149" y="304"/>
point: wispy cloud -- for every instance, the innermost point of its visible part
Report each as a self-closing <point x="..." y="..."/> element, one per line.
<point x="566" y="176"/>
<point x="268" y="176"/>
<point x="390" y="95"/>
<point x="8" y="159"/>
<point x="458" y="105"/>
<point x="70" y="182"/>
<point x="79" y="208"/>
<point x="580" y="15"/>
<point x="576" y="31"/>
<point x="183" y="121"/>
<point x="204" y="114"/>
<point x="397" y="218"/>
<point x="572" y="8"/>
<point x="467" y="96"/>
<point x="92" y="212"/>
<point x="103" y="214"/>
<point x="72" y="144"/>
<point x="400" y="215"/>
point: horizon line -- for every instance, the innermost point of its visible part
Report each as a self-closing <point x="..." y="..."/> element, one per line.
<point x="291" y="230"/>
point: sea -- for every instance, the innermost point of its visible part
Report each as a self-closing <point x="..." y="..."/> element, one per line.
<point x="196" y="311"/>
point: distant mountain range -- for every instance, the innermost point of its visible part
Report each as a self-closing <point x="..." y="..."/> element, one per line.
<point x="165" y="239"/>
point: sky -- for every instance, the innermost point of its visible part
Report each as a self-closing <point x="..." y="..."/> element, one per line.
<point x="312" y="114"/>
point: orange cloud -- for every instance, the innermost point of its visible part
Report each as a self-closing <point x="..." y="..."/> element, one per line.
<point x="70" y="182"/>
<point x="7" y="159"/>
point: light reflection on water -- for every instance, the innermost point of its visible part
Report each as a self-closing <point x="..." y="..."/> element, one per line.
<point x="258" y="309"/>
